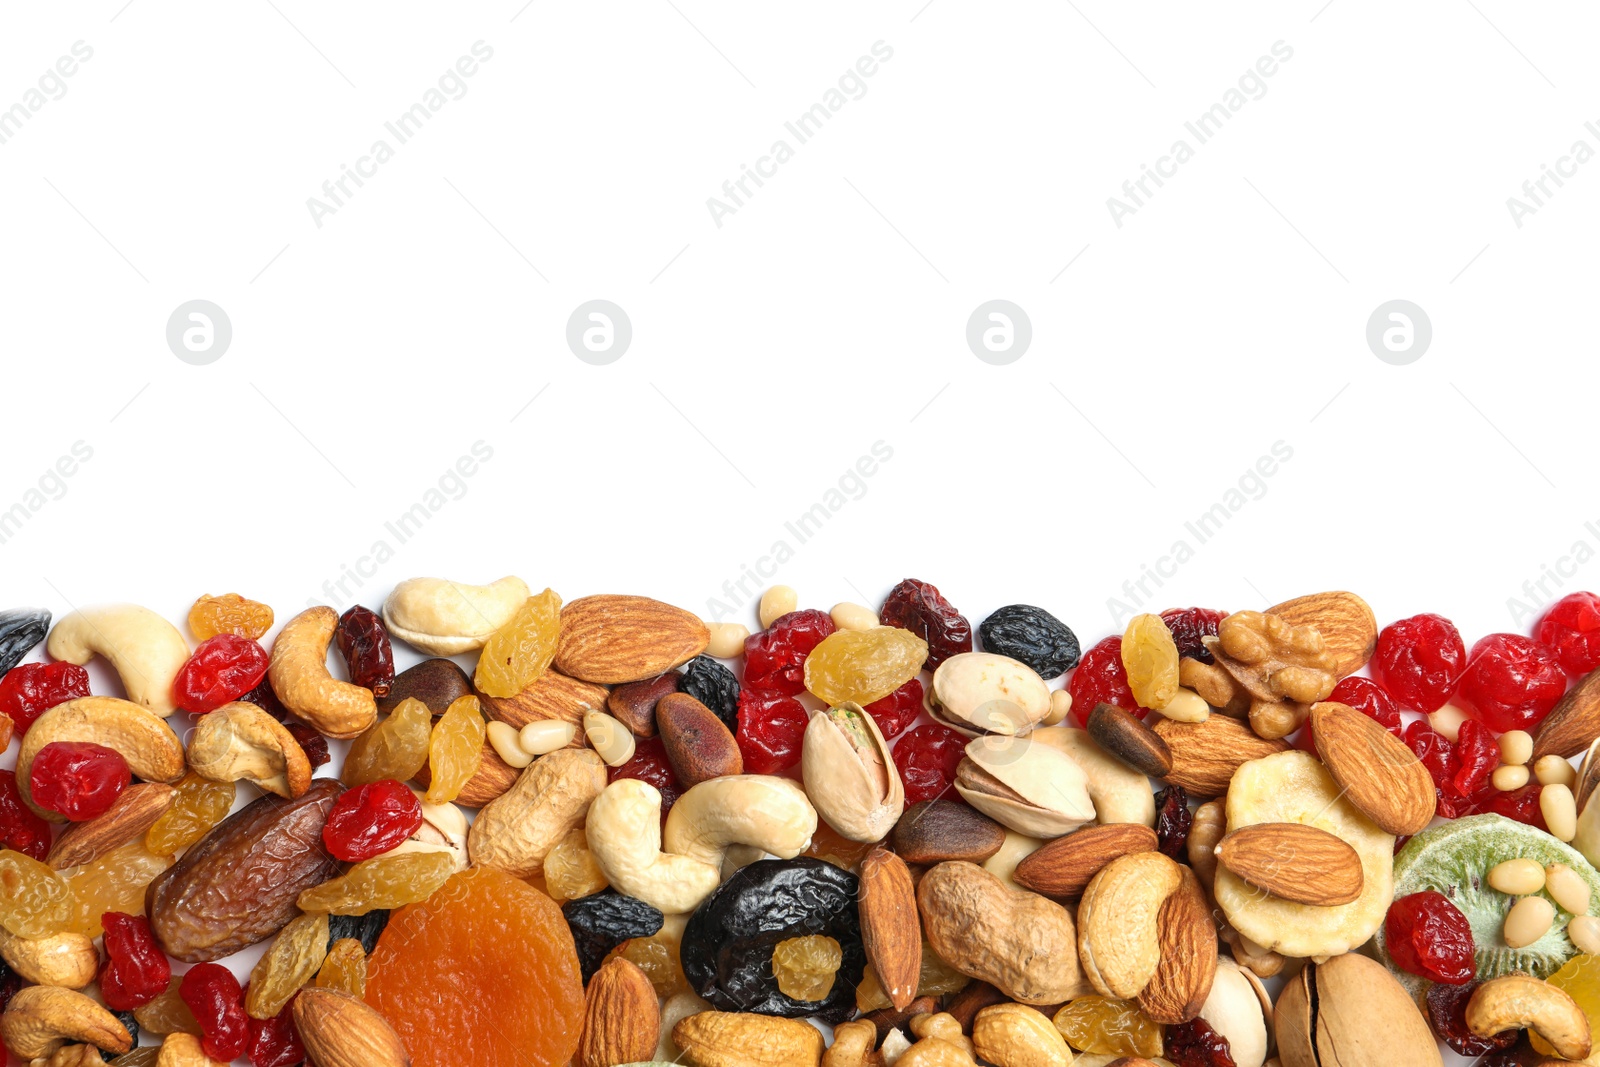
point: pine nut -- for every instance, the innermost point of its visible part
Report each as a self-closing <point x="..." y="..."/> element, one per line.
<point x="611" y="740"/>
<point x="1516" y="747"/>
<point x="1553" y="770"/>
<point x="776" y="603"/>
<point x="1585" y="933"/>
<point x="543" y="736"/>
<point x="1517" y="877"/>
<point x="507" y="741"/>
<point x="1507" y="778"/>
<point x="727" y="639"/>
<point x="848" y="616"/>
<point x="1567" y="887"/>
<point x="1187" y="706"/>
<point x="1528" y="920"/>
<point x="1560" y="814"/>
<point x="1060" y="708"/>
<point x="1447" y="720"/>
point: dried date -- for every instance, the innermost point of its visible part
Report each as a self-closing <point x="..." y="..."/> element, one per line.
<point x="364" y="644"/>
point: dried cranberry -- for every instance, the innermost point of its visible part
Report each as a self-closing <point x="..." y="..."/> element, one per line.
<point x="78" y="779"/>
<point x="1188" y="626"/>
<point x="897" y="710"/>
<point x="364" y="644"/>
<point x="1419" y="661"/>
<point x="223" y="668"/>
<point x="1521" y="805"/>
<point x="1438" y="755"/>
<point x="919" y="607"/>
<point x="1478" y="754"/>
<point x="1101" y="679"/>
<point x="1571" y="627"/>
<point x="275" y="1042"/>
<point x="1447" y="1014"/>
<point x="136" y="971"/>
<point x="312" y="743"/>
<point x="650" y="764"/>
<point x="771" y="727"/>
<point x="21" y="828"/>
<point x="1511" y="682"/>
<point x="370" y="820"/>
<point x="213" y="995"/>
<point x="1195" y="1044"/>
<point x="1173" y="819"/>
<point x="1429" y="937"/>
<point x="775" y="658"/>
<point x="927" y="758"/>
<point x="1367" y="697"/>
<point x="31" y="689"/>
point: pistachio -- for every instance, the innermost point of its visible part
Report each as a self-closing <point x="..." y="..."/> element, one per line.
<point x="1348" y="1012"/>
<point x="444" y="829"/>
<point x="1030" y="787"/>
<point x="850" y="774"/>
<point x="980" y="692"/>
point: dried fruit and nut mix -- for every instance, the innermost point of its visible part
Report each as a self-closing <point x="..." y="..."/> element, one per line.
<point x="629" y="835"/>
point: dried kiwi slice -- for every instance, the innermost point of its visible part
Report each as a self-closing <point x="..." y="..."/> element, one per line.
<point x="1455" y="859"/>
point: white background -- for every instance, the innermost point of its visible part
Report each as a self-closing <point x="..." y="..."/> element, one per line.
<point x="428" y="313"/>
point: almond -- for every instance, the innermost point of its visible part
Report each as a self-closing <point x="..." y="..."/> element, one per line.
<point x="621" y="1017"/>
<point x="634" y="704"/>
<point x="340" y="1030"/>
<point x="744" y="1039"/>
<point x="134" y="812"/>
<point x="492" y="778"/>
<point x="1205" y="754"/>
<point x="1064" y="867"/>
<point x="613" y="639"/>
<point x="1376" y="770"/>
<point x="553" y="696"/>
<point x="890" y="929"/>
<point x="1344" y="620"/>
<point x="1294" y="861"/>
<point x="1573" y="724"/>
<point x="1188" y="938"/>
<point x="1129" y="740"/>
<point x="698" y="745"/>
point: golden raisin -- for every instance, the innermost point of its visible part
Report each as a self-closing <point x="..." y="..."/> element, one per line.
<point x="168" y="1014"/>
<point x="289" y="963"/>
<point x="35" y="901"/>
<point x="517" y="654"/>
<point x="455" y="749"/>
<point x="199" y="805"/>
<point x="345" y="968"/>
<point x="114" y="882"/>
<point x="864" y="665"/>
<point x="570" y="870"/>
<point x="229" y="613"/>
<point x="657" y="956"/>
<point x="936" y="979"/>
<point x="1112" y="1027"/>
<point x="395" y="748"/>
<point x="385" y="882"/>
<point x="1150" y="656"/>
<point x="805" y="966"/>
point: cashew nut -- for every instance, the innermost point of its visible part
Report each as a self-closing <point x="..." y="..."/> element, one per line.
<point x="1013" y="1035"/>
<point x="444" y="829"/>
<point x="1117" y="922"/>
<point x="152" y="750"/>
<point x="853" y="1045"/>
<point x="146" y="650"/>
<point x="241" y="741"/>
<point x="184" y="1050"/>
<point x="1518" y="1000"/>
<point x="940" y="1043"/>
<point x="624" y="831"/>
<point x="299" y="676"/>
<point x="67" y="959"/>
<point x="72" y="1056"/>
<point x="42" y="1018"/>
<point x="1119" y="793"/>
<point x="772" y="814"/>
<point x="516" y="830"/>
<point x="444" y="618"/>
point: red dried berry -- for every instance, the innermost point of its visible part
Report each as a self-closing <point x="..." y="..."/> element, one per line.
<point x="275" y="1042"/>
<point x="136" y="971"/>
<point x="1521" y="805"/>
<point x="898" y="710"/>
<point x="1478" y="754"/>
<point x="1195" y="1044"/>
<point x="21" y="828"/>
<point x="1438" y="755"/>
<point x="1100" y="678"/>
<point x="1419" y="661"/>
<point x="1173" y="820"/>
<point x="1367" y="697"/>
<point x="264" y="698"/>
<point x="78" y="779"/>
<point x="370" y="820"/>
<point x="29" y="690"/>
<point x="927" y="757"/>
<point x="771" y="727"/>
<point x="312" y="743"/>
<point x="1189" y="626"/>
<point x="1447" y="1014"/>
<point x="1429" y="937"/>
<point x="919" y="607"/>
<point x="650" y="764"/>
<point x="223" y="668"/>
<point x="213" y="995"/>
<point x="1571" y="628"/>
<point x="775" y="658"/>
<point x="364" y="644"/>
<point x="1511" y="682"/>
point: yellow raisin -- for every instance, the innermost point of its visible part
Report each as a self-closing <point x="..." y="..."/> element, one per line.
<point x="345" y="968"/>
<point x="1150" y="656"/>
<point x="168" y="1014"/>
<point x="517" y="653"/>
<point x="290" y="962"/>
<point x="937" y="978"/>
<point x="386" y="882"/>
<point x="864" y="665"/>
<point x="570" y="870"/>
<point x="395" y="748"/>
<point x="1111" y="1027"/>
<point x="455" y="749"/>
<point x="114" y="882"/>
<point x="199" y="805"/>
<point x="1579" y="978"/>
<point x="657" y="956"/>
<point x="35" y="901"/>
<point x="805" y="966"/>
<point x="229" y="613"/>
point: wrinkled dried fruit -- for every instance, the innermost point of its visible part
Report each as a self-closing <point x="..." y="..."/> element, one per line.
<point x="1101" y="679"/>
<point x="275" y="1042"/>
<point x="1429" y="936"/>
<point x="1030" y="635"/>
<point x="1196" y="1044"/>
<point x="657" y="957"/>
<point x="1447" y="1014"/>
<point x="115" y="881"/>
<point x="345" y="968"/>
<point x="1190" y="627"/>
<point x="771" y="729"/>
<point x="363" y="928"/>
<point x="927" y="758"/>
<point x="213" y="995"/>
<point x="289" y="963"/>
<point x="517" y="654"/>
<point x="199" y="805"/>
<point x="864" y="665"/>
<point x="919" y="607"/>
<point x="602" y="921"/>
<point x="455" y="749"/>
<point x="713" y="685"/>
<point x="650" y="764"/>
<point x="395" y="748"/>
<point x="167" y="1013"/>
<point x="20" y="630"/>
<point x="21" y="828"/>
<point x="570" y="869"/>
<point x="1150" y="658"/>
<point x="30" y="690"/>
<point x="1419" y="661"/>
<point x="370" y="820"/>
<point x="229" y="613"/>
<point x="774" y="659"/>
<point x="78" y="779"/>
<point x="364" y="644"/>
<point x="896" y="711"/>
<point x="804" y="967"/>
<point x="136" y="971"/>
<point x="34" y="900"/>
<point x="1114" y="1027"/>
<point x="386" y="882"/>
<point x="1510" y="682"/>
<point x="223" y="669"/>
<point x="1173" y="820"/>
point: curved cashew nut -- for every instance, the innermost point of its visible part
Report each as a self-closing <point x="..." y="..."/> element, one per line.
<point x="765" y="812"/>
<point x="239" y="740"/>
<point x="152" y="750"/>
<point x="1118" y="922"/>
<point x="42" y="1018"/>
<point x="447" y="618"/>
<point x="146" y="650"/>
<point x="1119" y="793"/>
<point x="1015" y="1035"/>
<point x="516" y="830"/>
<point x="624" y="832"/>
<point x="1517" y="1000"/>
<point x="299" y="676"/>
<point x="67" y="959"/>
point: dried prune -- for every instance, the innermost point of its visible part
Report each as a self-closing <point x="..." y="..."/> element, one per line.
<point x="919" y="607"/>
<point x="602" y="921"/>
<point x="728" y="943"/>
<point x="1032" y="636"/>
<point x="20" y="630"/>
<point x="363" y="928"/>
<point x="364" y="644"/>
<point x="1173" y="820"/>
<point x="713" y="685"/>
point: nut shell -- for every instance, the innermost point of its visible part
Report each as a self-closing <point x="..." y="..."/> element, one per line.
<point x="937" y="830"/>
<point x="1350" y="1012"/>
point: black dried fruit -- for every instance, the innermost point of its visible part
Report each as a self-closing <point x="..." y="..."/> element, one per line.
<point x="126" y="1018"/>
<point x="602" y="921"/>
<point x="727" y="947"/>
<point x="713" y="685"/>
<point x="1173" y="820"/>
<point x="20" y="630"/>
<point x="364" y="928"/>
<point x="1033" y="636"/>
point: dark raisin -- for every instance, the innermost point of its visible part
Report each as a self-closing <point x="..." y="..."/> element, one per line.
<point x="727" y="947"/>
<point x="10" y="983"/>
<point x="1173" y="819"/>
<point x="312" y="743"/>
<point x="1195" y="1044"/>
<point x="1189" y="627"/>
<point x="364" y="644"/>
<point x="20" y="630"/>
<point x="1033" y="636"/>
<point x="1447" y="1014"/>
<point x="713" y="685"/>
<point x="126" y="1019"/>
<point x="264" y="698"/>
<point x="602" y="921"/>
<point x="919" y="607"/>
<point x="364" y="928"/>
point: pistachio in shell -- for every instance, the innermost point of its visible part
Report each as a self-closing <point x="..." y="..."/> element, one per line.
<point x="1350" y="1012"/>
<point x="850" y="774"/>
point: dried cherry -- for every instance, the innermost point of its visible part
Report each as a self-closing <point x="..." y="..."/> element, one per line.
<point x="1189" y="627"/>
<point x="1365" y="696"/>
<point x="136" y="971"/>
<point x="20" y="630"/>
<point x="898" y="710"/>
<point x="1195" y="1044"/>
<point x="713" y="685"/>
<point x="213" y="995"/>
<point x="78" y="779"/>
<point x="1102" y="679"/>
<point x="21" y="828"/>
<point x="1511" y="682"/>
<point x="919" y="607"/>
<point x="275" y="1042"/>
<point x="1521" y="805"/>
<point x="1031" y="635"/>
<point x="28" y="691"/>
<point x="1173" y="820"/>
<point x="775" y="658"/>
<point x="1447" y="1014"/>
<point x="927" y="758"/>
<point x="1571" y="628"/>
<point x="650" y="764"/>
<point x="371" y="819"/>
<point x="1429" y="937"/>
<point x="312" y="743"/>
<point x="1478" y="754"/>
<point x="770" y="730"/>
<point x="602" y="921"/>
<point x="1438" y="755"/>
<point x="1419" y="661"/>
<point x="364" y="644"/>
<point x="222" y="668"/>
